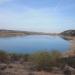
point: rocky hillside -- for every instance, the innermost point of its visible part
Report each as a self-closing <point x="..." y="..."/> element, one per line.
<point x="68" y="33"/>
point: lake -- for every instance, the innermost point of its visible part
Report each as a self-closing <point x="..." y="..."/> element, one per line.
<point x="33" y="43"/>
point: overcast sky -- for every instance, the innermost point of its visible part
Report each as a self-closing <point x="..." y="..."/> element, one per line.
<point x="37" y="15"/>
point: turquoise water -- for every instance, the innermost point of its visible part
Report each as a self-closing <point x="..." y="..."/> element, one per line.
<point x="33" y="43"/>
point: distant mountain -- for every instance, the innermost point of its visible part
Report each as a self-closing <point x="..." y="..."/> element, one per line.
<point x="68" y="33"/>
<point x="6" y="33"/>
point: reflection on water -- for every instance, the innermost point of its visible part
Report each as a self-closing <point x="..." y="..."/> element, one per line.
<point x="67" y="37"/>
<point x="32" y="43"/>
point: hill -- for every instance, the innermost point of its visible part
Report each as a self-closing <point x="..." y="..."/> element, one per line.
<point x="6" y="33"/>
<point x="68" y="33"/>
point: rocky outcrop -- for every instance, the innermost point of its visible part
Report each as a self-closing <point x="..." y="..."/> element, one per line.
<point x="68" y="33"/>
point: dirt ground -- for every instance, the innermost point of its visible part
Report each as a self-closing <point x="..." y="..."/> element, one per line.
<point x="19" y="69"/>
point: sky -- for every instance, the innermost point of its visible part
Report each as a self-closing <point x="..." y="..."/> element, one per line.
<point x="37" y="15"/>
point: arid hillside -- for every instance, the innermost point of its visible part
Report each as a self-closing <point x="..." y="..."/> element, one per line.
<point x="21" y="33"/>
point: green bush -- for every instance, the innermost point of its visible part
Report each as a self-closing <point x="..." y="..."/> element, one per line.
<point x="42" y="60"/>
<point x="45" y="60"/>
<point x="26" y="57"/>
<point x="3" y="56"/>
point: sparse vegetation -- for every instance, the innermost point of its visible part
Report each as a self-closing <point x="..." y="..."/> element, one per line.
<point x="38" y="61"/>
<point x="4" y="57"/>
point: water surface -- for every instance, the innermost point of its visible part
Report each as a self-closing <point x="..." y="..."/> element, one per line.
<point x="33" y="43"/>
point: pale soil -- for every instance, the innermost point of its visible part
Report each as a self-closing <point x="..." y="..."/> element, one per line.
<point x="19" y="69"/>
